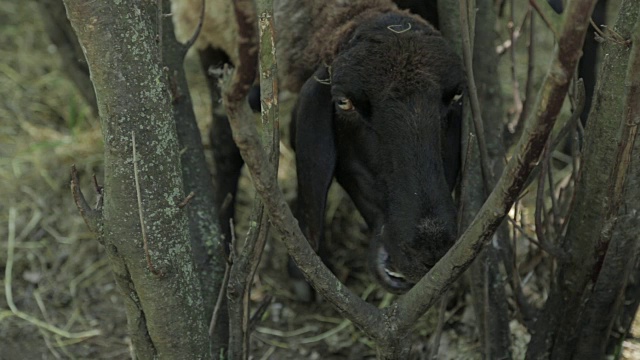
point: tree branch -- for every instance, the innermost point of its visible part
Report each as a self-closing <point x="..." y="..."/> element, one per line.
<point x="615" y="258"/>
<point x="202" y="212"/>
<point x="549" y="101"/>
<point x="92" y="217"/>
<point x="399" y="316"/>
<point x="465" y="30"/>
<point x="121" y="38"/>
<point x="235" y="87"/>
<point x="554" y="335"/>
<point x="244" y="268"/>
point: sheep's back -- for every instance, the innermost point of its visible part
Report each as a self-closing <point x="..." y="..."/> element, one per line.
<point x="218" y="28"/>
<point x="305" y="30"/>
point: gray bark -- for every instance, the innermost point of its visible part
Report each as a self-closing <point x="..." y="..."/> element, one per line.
<point x="608" y="294"/>
<point x="163" y="297"/>
<point x="556" y="335"/>
<point x="204" y="230"/>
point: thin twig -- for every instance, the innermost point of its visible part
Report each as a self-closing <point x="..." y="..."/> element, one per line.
<point x="221" y="295"/>
<point x="186" y="200"/>
<point x="576" y="174"/>
<point x="524" y="233"/>
<point x="91" y="217"/>
<point x="578" y="100"/>
<point x="465" y="168"/>
<point x="225" y="279"/>
<point x="573" y="125"/>
<point x="515" y="127"/>
<point x="257" y="315"/>
<point x="555" y="211"/>
<point x="507" y="44"/>
<point x="526" y="311"/>
<point x="145" y="241"/>
<point x="234" y="94"/>
<point x="512" y="55"/>
<point x="487" y="174"/>
<point x="99" y="194"/>
<point x="542" y="239"/>
<point x="486" y="305"/>
<point x="196" y="33"/>
<point x="596" y="28"/>
<point x="433" y="354"/>
<point x="535" y="6"/>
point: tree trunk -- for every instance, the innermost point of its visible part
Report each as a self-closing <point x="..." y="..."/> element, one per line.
<point x="147" y="240"/>
<point x="204" y="230"/>
<point x="556" y="332"/>
<point x="607" y="296"/>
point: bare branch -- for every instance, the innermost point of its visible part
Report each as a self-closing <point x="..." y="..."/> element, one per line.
<point x="554" y="335"/>
<point x="145" y="241"/>
<point x="92" y="217"/>
<point x="400" y="315"/>
<point x="186" y="46"/>
<point x="542" y="238"/>
<point x="363" y="314"/>
<point x="515" y="127"/>
<point x="627" y="138"/>
<point x="260" y="311"/>
<point x="221" y="295"/>
<point x="487" y="174"/>
<point x="535" y="6"/>
<point x="186" y="200"/>
<point x="243" y="270"/>
<point x="237" y="87"/>
<point x="554" y="88"/>
<point x="433" y="354"/>
<point x="512" y="55"/>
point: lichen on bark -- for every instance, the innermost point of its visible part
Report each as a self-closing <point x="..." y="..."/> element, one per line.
<point x="165" y="311"/>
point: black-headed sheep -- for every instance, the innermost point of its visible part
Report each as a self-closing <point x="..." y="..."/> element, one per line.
<point x="378" y="108"/>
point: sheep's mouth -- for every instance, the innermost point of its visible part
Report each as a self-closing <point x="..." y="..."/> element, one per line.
<point x="389" y="276"/>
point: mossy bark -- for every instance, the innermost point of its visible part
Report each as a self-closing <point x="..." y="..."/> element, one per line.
<point x="206" y="241"/>
<point x="165" y="311"/>
<point x="556" y="333"/>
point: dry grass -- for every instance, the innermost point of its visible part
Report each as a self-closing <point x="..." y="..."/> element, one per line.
<point x="58" y="276"/>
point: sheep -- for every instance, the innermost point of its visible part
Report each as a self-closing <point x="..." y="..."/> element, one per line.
<point x="379" y="109"/>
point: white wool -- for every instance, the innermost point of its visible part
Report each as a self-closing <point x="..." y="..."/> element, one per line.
<point x="218" y="28"/>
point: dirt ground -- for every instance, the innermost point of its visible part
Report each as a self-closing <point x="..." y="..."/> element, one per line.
<point x="59" y="300"/>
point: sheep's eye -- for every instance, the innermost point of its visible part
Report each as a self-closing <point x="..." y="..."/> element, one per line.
<point x="345" y="104"/>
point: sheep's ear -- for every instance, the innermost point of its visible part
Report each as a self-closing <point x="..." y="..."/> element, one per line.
<point x="451" y="145"/>
<point x="315" y="152"/>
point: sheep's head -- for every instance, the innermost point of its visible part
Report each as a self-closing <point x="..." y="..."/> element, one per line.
<point x="384" y="117"/>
